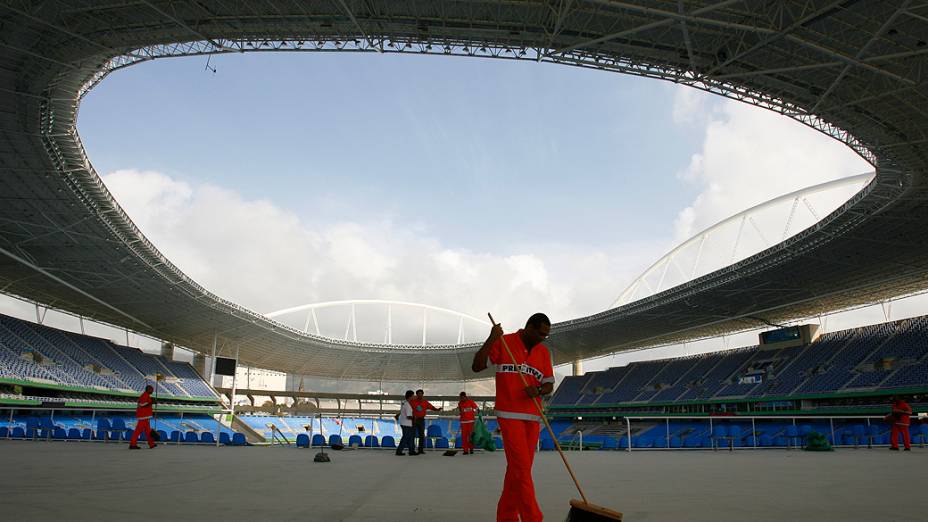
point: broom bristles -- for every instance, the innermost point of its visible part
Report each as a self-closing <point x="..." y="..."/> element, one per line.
<point x="581" y="511"/>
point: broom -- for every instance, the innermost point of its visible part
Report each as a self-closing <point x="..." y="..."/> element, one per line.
<point x="155" y="436"/>
<point x="580" y="510"/>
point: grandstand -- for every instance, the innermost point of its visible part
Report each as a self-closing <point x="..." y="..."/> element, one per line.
<point x="882" y="359"/>
<point x="36" y="355"/>
<point x="852" y="70"/>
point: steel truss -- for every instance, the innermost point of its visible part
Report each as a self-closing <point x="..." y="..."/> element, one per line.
<point x="855" y="71"/>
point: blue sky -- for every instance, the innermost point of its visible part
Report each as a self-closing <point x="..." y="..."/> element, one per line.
<point x="475" y="185"/>
<point x="483" y="153"/>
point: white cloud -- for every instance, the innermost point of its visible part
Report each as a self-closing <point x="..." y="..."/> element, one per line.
<point x="750" y="156"/>
<point x="690" y="106"/>
<point x="265" y="258"/>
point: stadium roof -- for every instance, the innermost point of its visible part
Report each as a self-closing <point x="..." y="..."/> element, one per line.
<point x="853" y="69"/>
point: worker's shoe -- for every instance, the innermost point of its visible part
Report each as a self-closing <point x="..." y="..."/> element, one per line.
<point x="134" y="447"/>
<point x="908" y="449"/>
<point x="893" y="449"/>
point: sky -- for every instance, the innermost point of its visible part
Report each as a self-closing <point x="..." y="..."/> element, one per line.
<point x="470" y="184"/>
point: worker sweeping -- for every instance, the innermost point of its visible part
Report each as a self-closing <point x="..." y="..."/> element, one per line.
<point x="518" y="417"/>
<point x="143" y="414"/>
<point x="467" y="409"/>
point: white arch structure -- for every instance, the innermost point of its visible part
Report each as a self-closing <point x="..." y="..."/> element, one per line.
<point x="694" y="247"/>
<point x="351" y="322"/>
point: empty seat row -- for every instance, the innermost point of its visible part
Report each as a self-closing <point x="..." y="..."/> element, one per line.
<point x="190" y="437"/>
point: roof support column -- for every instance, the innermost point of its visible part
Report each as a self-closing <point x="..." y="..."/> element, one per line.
<point x="234" y="383"/>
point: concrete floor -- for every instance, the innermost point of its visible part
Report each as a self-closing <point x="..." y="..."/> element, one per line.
<point x="88" y="481"/>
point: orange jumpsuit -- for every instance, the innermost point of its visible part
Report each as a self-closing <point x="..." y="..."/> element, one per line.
<point x="143" y="414"/>
<point x="901" y="412"/>
<point x="519" y="422"/>
<point x="468" y="409"/>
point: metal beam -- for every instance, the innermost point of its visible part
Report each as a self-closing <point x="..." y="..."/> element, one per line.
<point x="360" y="29"/>
<point x="859" y="54"/>
<point x="653" y="25"/>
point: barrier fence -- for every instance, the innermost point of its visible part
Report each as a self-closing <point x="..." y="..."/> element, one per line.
<point x="88" y="421"/>
<point x="741" y="432"/>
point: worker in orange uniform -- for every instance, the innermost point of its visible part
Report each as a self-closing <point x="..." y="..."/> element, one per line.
<point x="420" y="407"/>
<point x="468" y="412"/>
<point x="516" y="410"/>
<point x="143" y="414"/>
<point x="900" y="420"/>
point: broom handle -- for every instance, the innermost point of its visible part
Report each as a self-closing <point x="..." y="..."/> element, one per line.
<point x="153" y="417"/>
<point x="537" y="402"/>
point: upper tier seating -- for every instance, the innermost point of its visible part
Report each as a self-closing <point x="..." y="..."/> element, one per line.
<point x="40" y="354"/>
<point x="884" y="356"/>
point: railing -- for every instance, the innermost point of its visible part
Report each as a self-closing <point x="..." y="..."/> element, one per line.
<point x="7" y="417"/>
<point x="837" y="425"/>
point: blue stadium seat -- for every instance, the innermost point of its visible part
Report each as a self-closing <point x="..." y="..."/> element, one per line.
<point x="371" y="442"/>
<point x="119" y="424"/>
<point x="719" y="436"/>
<point x="441" y="443"/>
<point x="225" y="440"/>
<point x="458" y="443"/>
<point x="163" y="435"/>
<point x="18" y="433"/>
<point x="660" y="442"/>
<point x="734" y="432"/>
<point x="547" y="444"/>
<point x="860" y="434"/>
<point x="207" y="437"/>
<point x="191" y="437"/>
<point x="693" y="442"/>
<point x="238" y="439"/>
<point x="103" y="424"/>
<point x="434" y="430"/>
<point x="793" y="436"/>
<point x="87" y="434"/>
<point x="920" y="433"/>
<point x="499" y="442"/>
<point x="318" y="440"/>
<point x="302" y="440"/>
<point x="59" y="434"/>
<point x="388" y="442"/>
<point x="610" y="443"/>
<point x="642" y="442"/>
<point x="335" y="439"/>
<point x="765" y="441"/>
<point x="74" y="434"/>
<point x="623" y="442"/>
<point x="176" y="436"/>
<point x="4" y="432"/>
<point x="675" y="442"/>
<point x="355" y="441"/>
